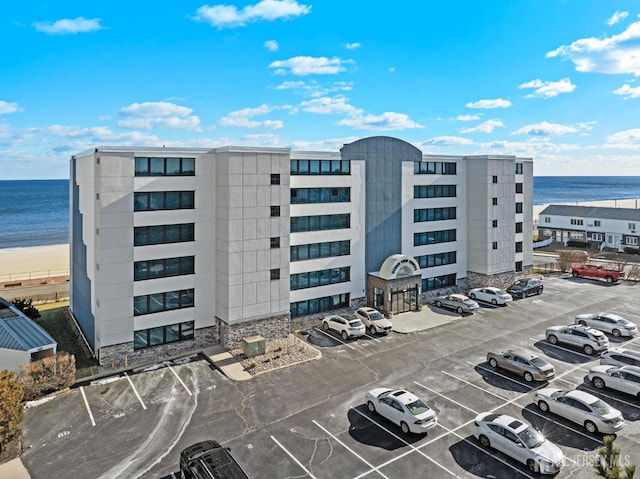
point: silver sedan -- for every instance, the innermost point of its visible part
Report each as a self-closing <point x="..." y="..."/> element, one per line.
<point x="608" y="323"/>
<point x="520" y="361"/>
<point x="491" y="295"/>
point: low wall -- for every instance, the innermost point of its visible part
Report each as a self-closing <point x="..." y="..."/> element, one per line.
<point x="275" y="327"/>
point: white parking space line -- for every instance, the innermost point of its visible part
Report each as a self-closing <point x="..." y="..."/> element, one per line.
<point x="502" y="375"/>
<point x="86" y="403"/>
<point x="557" y="346"/>
<point x="447" y="398"/>
<point x="334" y="338"/>
<point x="293" y="457"/>
<point x="373" y="468"/>
<point x="413" y="448"/>
<point x="601" y="393"/>
<point x="135" y="390"/>
<point x="475" y="386"/>
<point x="181" y="382"/>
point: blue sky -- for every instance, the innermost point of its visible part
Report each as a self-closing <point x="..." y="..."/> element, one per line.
<point x="555" y="80"/>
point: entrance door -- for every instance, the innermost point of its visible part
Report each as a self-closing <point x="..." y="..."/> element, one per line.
<point x="404" y="300"/>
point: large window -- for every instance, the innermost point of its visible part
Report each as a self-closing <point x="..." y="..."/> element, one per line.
<point x="434" y="237"/>
<point x="323" y="277"/>
<point x="437" y="282"/>
<point x="518" y="187"/>
<point x="165" y="166"/>
<point x="519" y="227"/>
<point x="163" y="268"/>
<point x="631" y="240"/>
<point x="518" y="246"/>
<point x="320" y="167"/>
<point x="437" y="259"/>
<point x="158" y="302"/>
<point x="147" y="235"/>
<point x="319" y="305"/>
<point x="320" y="222"/>
<point x="434" y="191"/>
<point x="518" y="207"/>
<point x="434" y="214"/>
<point x="577" y="222"/>
<point x="519" y="169"/>
<point x="434" y="168"/>
<point x="145" y="338"/>
<point x="163" y="200"/>
<point x="320" y="195"/>
<point x="320" y="250"/>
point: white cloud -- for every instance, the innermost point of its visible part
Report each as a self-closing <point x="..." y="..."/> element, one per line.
<point x="95" y="134"/>
<point x="261" y="139"/>
<point x="322" y="145"/>
<point x="352" y="46"/>
<point x="467" y="117"/>
<point x="548" y="89"/>
<point x="616" y="17"/>
<point x="447" y="141"/>
<point x="387" y="121"/>
<point x="484" y="127"/>
<point x="618" y="54"/>
<point x="304" y="65"/>
<point x="488" y="104"/>
<point x="8" y="107"/>
<point x="330" y="105"/>
<point x="271" y="45"/>
<point x="629" y="139"/>
<point x="160" y="114"/>
<point x="244" y="118"/>
<point x="69" y="26"/>
<point x="392" y="69"/>
<point x="313" y="88"/>
<point x="628" y="91"/>
<point x="228" y="16"/>
<point x="544" y="129"/>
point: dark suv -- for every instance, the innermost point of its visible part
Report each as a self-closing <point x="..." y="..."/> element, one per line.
<point x="525" y="287"/>
<point x="208" y="459"/>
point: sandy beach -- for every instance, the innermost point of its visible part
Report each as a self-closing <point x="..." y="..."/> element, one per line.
<point x="34" y="262"/>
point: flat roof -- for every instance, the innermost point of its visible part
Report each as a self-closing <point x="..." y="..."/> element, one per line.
<point x="20" y="333"/>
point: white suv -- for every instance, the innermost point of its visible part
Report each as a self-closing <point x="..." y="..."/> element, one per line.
<point x="625" y="379"/>
<point x="588" y="339"/>
<point x="373" y="320"/>
<point x="347" y="328"/>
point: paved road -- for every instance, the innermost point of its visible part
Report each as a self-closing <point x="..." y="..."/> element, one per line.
<point x="311" y="420"/>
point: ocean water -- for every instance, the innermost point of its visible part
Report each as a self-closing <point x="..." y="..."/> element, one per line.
<point x="36" y="212"/>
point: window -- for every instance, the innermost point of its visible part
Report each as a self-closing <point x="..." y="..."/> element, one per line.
<point x="437" y="282"/>
<point x="312" y="279"/>
<point x="275" y="179"/>
<point x="494" y="223"/>
<point x="319" y="223"/>
<point x="519" y="169"/>
<point x="494" y="201"/>
<point x="596" y="223"/>
<point x="275" y="211"/>
<point x="434" y="191"/>
<point x="547" y="219"/>
<point x="495" y="245"/>
<point x="148" y="235"/>
<point x="518" y="207"/>
<point x="275" y="242"/>
<point x="163" y="268"/>
<point x="155" y="303"/>
<point x="434" y="214"/>
<point x="162" y="335"/>
<point x="518" y="246"/>
<point x="165" y="166"/>
<point x="320" y="195"/>
<point x="434" y="237"/>
<point x="519" y="227"/>
<point x="320" y="250"/>
<point x="320" y="167"/>
<point x="596" y="236"/>
<point x="576" y="236"/>
<point x="631" y="240"/>
<point x="518" y="187"/>
<point x="518" y="266"/>
<point x="433" y="168"/>
<point x="632" y="226"/>
<point x="319" y="305"/>
<point x="437" y="259"/>
<point x="577" y="222"/>
<point x="495" y="179"/>
<point x="275" y="274"/>
<point x="163" y="200"/>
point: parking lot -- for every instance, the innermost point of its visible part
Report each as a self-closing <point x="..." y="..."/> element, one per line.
<point x="311" y="420"/>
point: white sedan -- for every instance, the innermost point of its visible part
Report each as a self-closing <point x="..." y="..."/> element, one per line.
<point x="608" y="323"/>
<point x="347" y="328"/>
<point x="402" y="408"/>
<point x="491" y="295"/>
<point x="518" y="440"/>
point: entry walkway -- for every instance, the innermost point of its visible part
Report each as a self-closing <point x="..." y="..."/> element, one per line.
<point x="426" y="318"/>
<point x="14" y="469"/>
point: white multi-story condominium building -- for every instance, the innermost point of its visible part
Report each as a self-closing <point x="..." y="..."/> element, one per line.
<point x="177" y="249"/>
<point x="600" y="227"/>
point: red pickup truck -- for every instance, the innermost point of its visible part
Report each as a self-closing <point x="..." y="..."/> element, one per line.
<point x="596" y="271"/>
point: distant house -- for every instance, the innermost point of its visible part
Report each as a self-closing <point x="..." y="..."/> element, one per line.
<point x="617" y="228"/>
<point x="22" y="340"/>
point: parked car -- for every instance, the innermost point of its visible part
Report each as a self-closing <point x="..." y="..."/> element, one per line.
<point x="403" y="408"/>
<point x="597" y="271"/>
<point x="609" y="323"/>
<point x="373" y="320"/>
<point x="207" y="459"/>
<point x="582" y="408"/>
<point x="625" y="379"/>
<point x="491" y="295"/>
<point x="531" y="366"/>
<point x="347" y="328"/>
<point x="458" y="302"/>
<point x="621" y="357"/>
<point x="588" y="339"/>
<point x="519" y="440"/>
<point x="526" y="287"/>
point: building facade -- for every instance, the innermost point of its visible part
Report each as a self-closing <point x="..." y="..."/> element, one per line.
<point x="177" y="249"/>
<point x="598" y="227"/>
